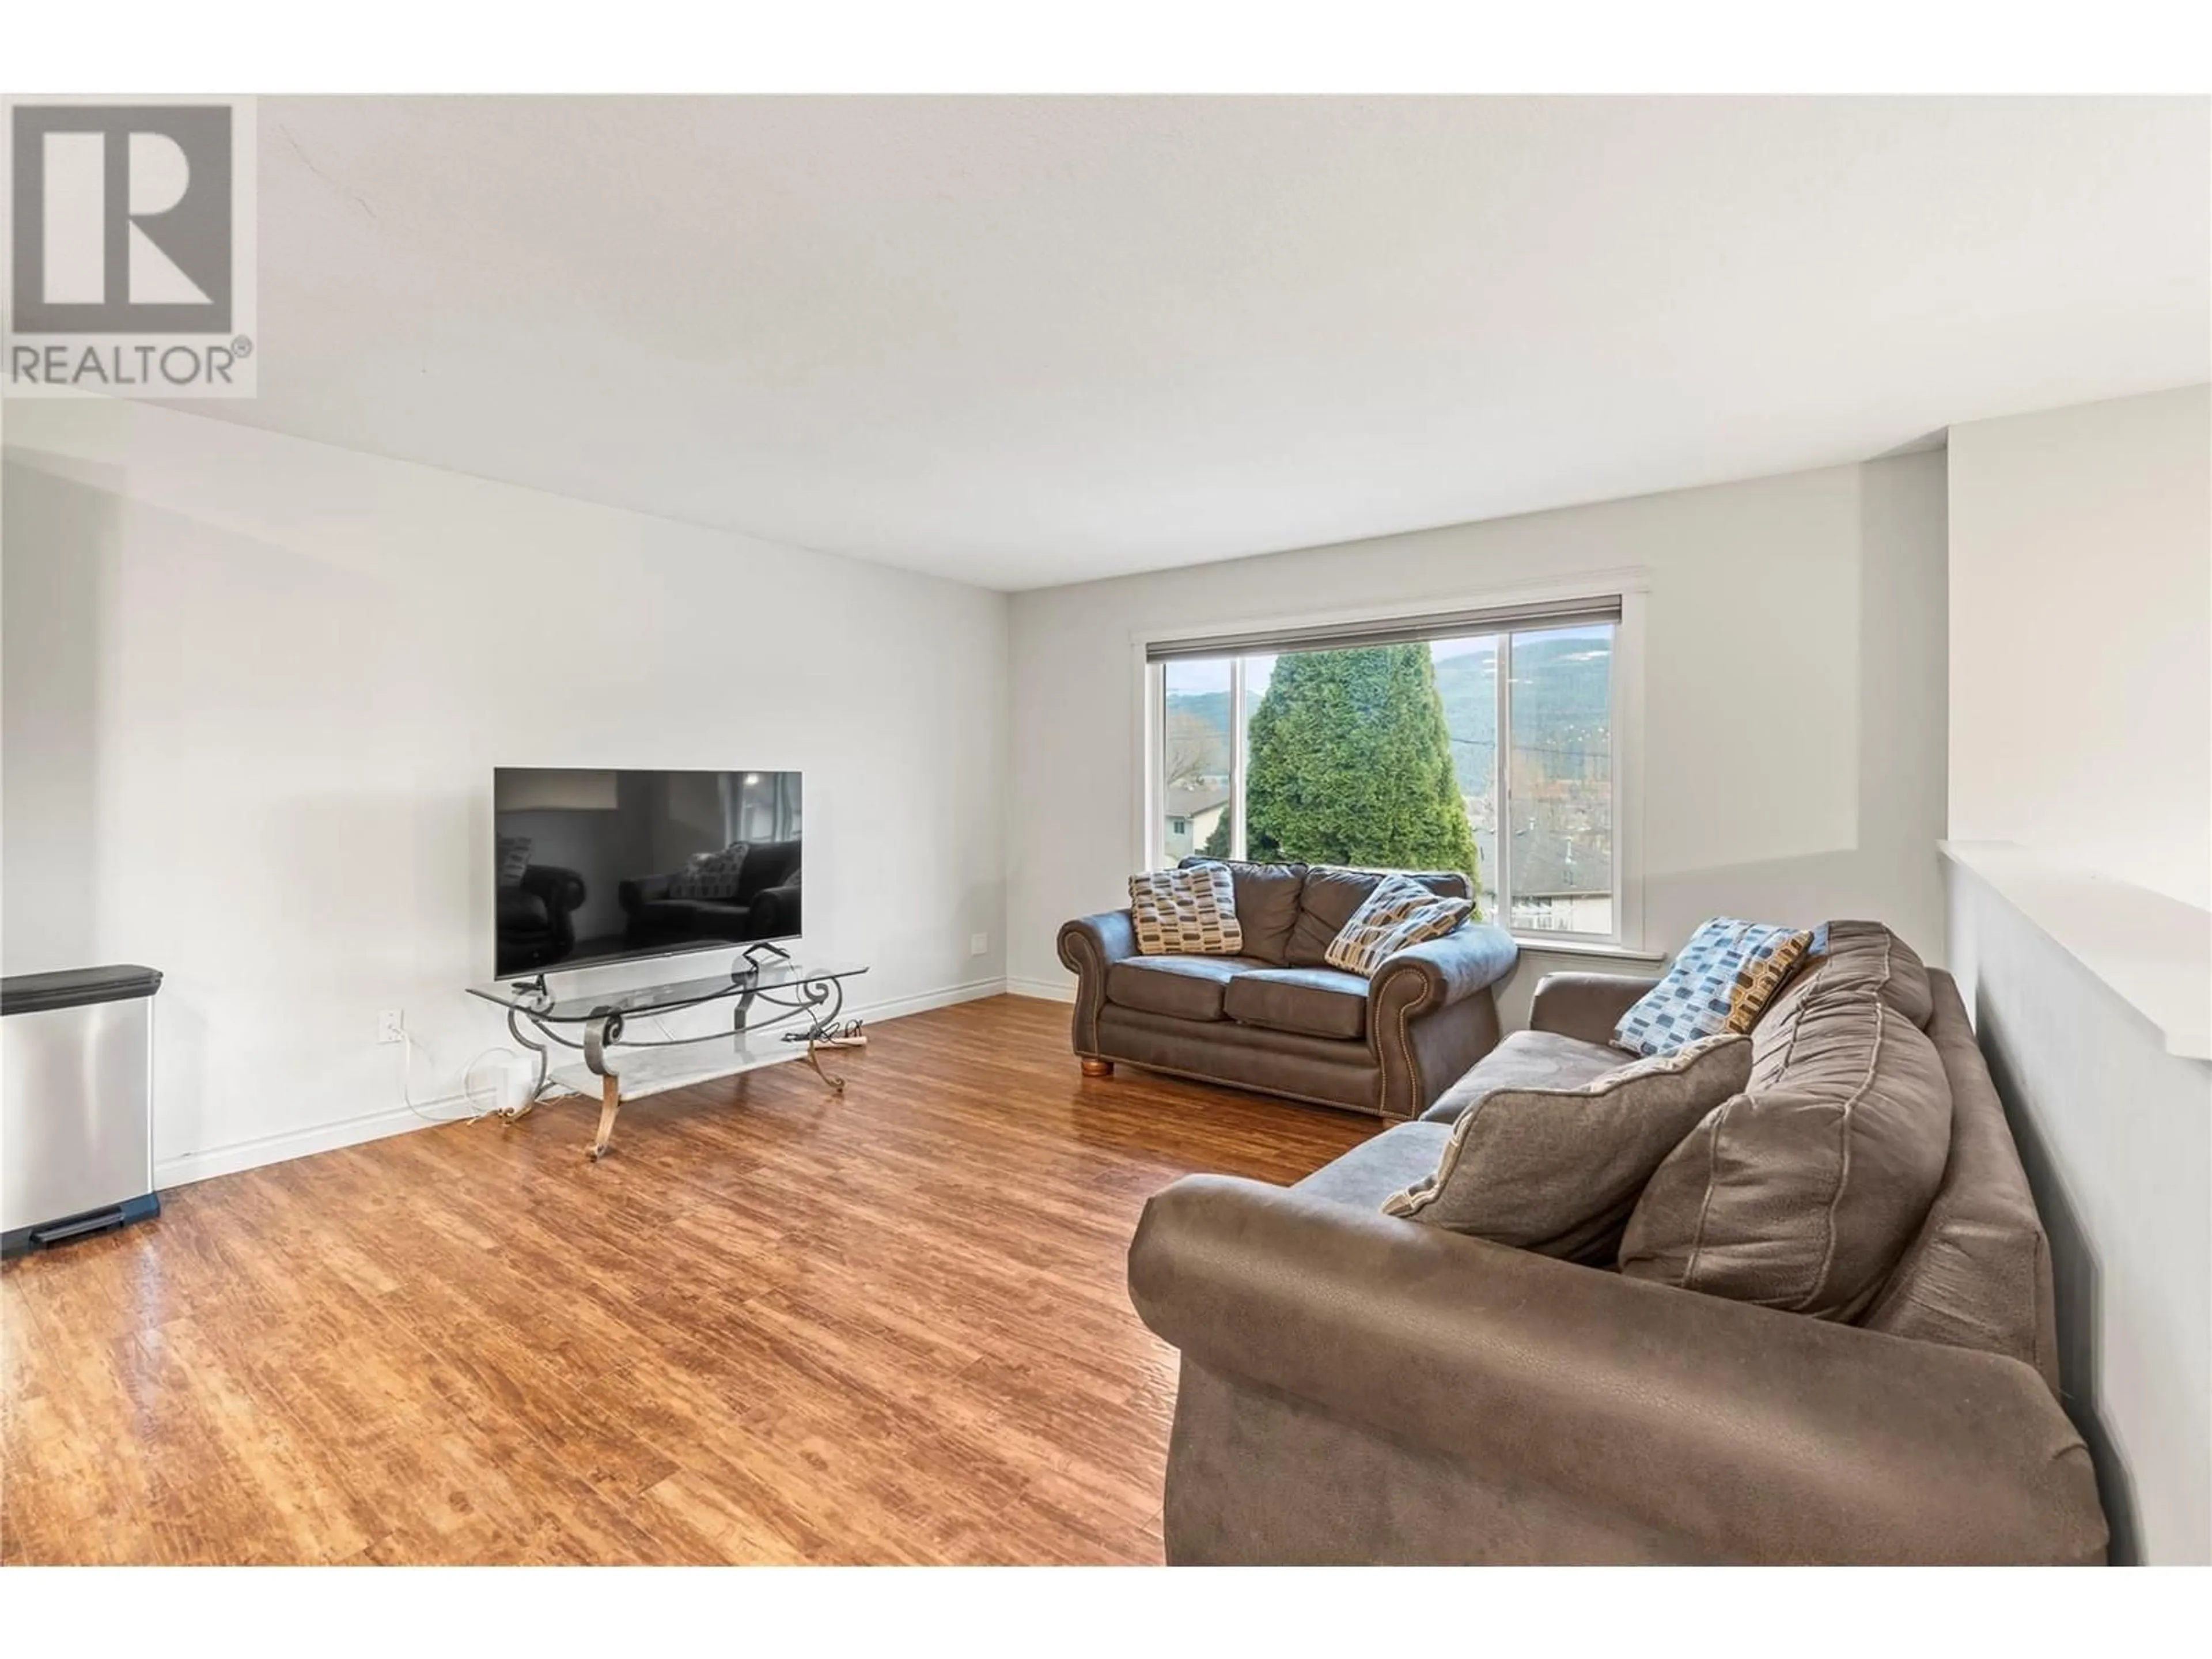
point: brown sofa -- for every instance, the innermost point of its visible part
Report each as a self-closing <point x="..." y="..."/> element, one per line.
<point x="1359" y="1388"/>
<point x="1278" y="1018"/>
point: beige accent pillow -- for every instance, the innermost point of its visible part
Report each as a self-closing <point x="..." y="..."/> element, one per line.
<point x="1191" y="911"/>
<point x="1330" y="893"/>
<point x="1267" y="897"/>
<point x="1558" y="1170"/>
<point x="1400" y="912"/>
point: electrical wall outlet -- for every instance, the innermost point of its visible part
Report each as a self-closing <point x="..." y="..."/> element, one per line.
<point x="978" y="943"/>
<point x="387" y="1025"/>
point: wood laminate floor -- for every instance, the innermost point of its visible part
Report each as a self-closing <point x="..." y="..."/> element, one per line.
<point x="775" y="1325"/>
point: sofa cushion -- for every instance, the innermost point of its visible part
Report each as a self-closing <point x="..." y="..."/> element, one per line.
<point x="1331" y="894"/>
<point x="1804" y="1193"/>
<point x="1375" y="1168"/>
<point x="1267" y="904"/>
<point x="1191" y="910"/>
<point x="1318" y="1001"/>
<point x="1399" y="913"/>
<point x="1183" y="988"/>
<point x="1978" y="1274"/>
<point x="1528" y="1060"/>
<point x="1852" y="953"/>
<point x="1557" y="1171"/>
<point x="768" y="864"/>
<point x="1719" y="981"/>
<point x="691" y="918"/>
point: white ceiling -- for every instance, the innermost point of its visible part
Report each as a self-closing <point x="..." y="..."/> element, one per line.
<point x="1022" y="342"/>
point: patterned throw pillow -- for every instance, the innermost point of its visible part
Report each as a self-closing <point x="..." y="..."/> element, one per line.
<point x="1399" y="913"/>
<point x="1558" y="1170"/>
<point x="1725" y="975"/>
<point x="710" y="875"/>
<point x="513" y="859"/>
<point x="1189" y="912"/>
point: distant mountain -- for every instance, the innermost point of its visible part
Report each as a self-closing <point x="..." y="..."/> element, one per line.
<point x="1468" y="685"/>
<point x="1206" y="708"/>
<point x="1198" y="737"/>
<point x="1562" y="709"/>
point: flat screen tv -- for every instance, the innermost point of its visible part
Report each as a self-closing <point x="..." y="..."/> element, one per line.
<point x="592" y="864"/>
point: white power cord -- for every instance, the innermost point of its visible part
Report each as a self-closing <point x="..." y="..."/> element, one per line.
<point x="407" y="1072"/>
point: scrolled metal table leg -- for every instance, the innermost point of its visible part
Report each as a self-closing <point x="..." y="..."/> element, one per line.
<point x="515" y="1028"/>
<point x="836" y="1084"/>
<point x="818" y="992"/>
<point x="599" y="1032"/>
<point x="609" y="1103"/>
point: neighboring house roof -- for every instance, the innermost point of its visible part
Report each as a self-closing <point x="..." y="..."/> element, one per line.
<point x="1547" y="861"/>
<point x="1188" y="800"/>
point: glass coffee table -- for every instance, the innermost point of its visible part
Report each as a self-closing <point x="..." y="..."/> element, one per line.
<point x="781" y="1010"/>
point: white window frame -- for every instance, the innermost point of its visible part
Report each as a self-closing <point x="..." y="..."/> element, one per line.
<point x="1632" y="587"/>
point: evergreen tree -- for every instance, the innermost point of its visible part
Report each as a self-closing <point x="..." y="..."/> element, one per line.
<point x="1351" y="763"/>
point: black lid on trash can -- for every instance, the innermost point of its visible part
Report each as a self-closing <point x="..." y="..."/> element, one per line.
<point x="73" y="988"/>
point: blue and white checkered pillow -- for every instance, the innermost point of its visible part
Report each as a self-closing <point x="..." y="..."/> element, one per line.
<point x="1724" y="976"/>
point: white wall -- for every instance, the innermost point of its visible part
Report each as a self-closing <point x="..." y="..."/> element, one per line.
<point x="2117" y="1136"/>
<point x="2081" y="636"/>
<point x="2080" y="723"/>
<point x="255" y="688"/>
<point x="1794" y="728"/>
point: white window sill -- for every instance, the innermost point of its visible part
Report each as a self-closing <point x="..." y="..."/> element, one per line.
<point x="1550" y="945"/>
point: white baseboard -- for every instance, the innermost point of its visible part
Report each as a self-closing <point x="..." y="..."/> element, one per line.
<point x="288" y="1144"/>
<point x="900" y="1008"/>
<point x="1051" y="990"/>
<point x="188" y="1167"/>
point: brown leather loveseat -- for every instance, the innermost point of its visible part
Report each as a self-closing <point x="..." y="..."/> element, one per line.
<point x="1356" y="1387"/>
<point x="1278" y="1018"/>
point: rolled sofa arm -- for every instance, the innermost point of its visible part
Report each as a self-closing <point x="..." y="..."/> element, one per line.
<point x="1744" y="1433"/>
<point x="1097" y="941"/>
<point x="1444" y="970"/>
<point x="1430" y="1016"/>
<point x="1088" y="946"/>
<point x="561" y="890"/>
<point x="773" y="913"/>
<point x="645" y="890"/>
<point x="1585" y="1005"/>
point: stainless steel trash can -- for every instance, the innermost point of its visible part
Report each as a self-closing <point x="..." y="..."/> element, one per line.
<point x="77" y="1103"/>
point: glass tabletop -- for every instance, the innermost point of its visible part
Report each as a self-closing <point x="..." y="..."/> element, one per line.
<point x="772" y="976"/>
